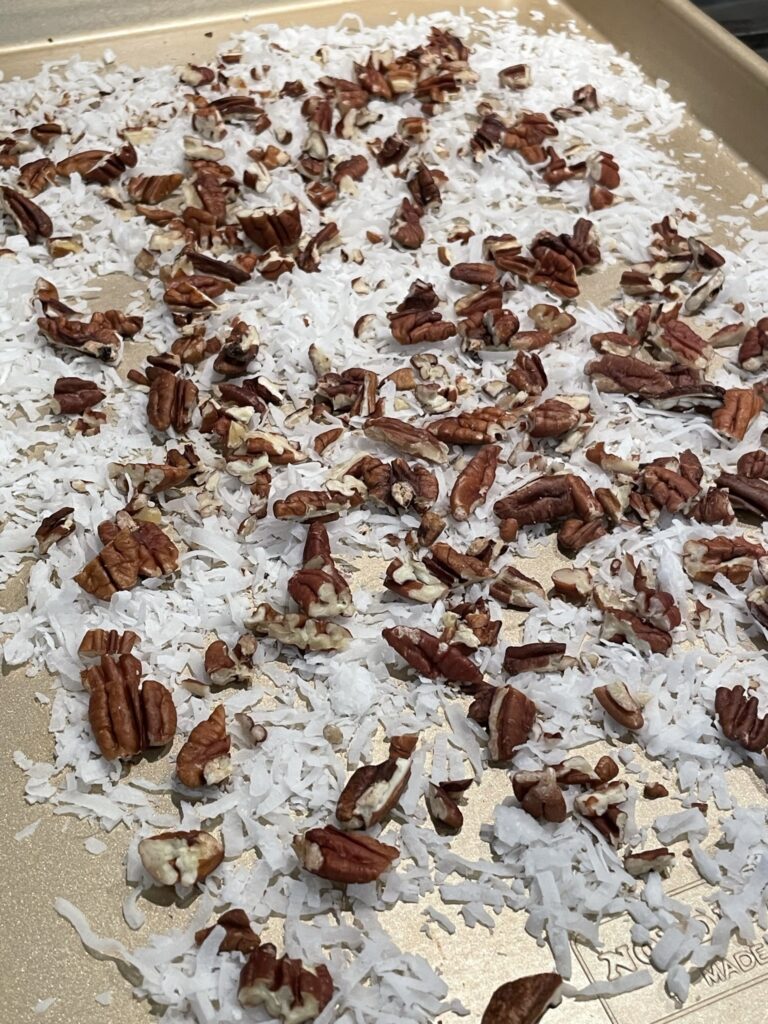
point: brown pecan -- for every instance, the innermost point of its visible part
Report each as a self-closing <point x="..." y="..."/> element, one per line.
<point x="344" y="857"/>
<point x="130" y="556"/>
<point x="431" y="657"/>
<point x="452" y="566"/>
<point x="734" y="557"/>
<point x="324" y="505"/>
<point x="29" y="219"/>
<point x="544" y="657"/>
<point x="225" y="667"/>
<point x="171" y="401"/>
<point x="623" y="626"/>
<point x="753" y="351"/>
<point x="713" y="507"/>
<point x="406" y="437"/>
<point x="740" y="406"/>
<point x="423" y="186"/>
<point x="480" y="426"/>
<point x="620" y="705"/>
<point x="474" y="482"/>
<point x="412" y="579"/>
<point x="469" y="625"/>
<point x="374" y="789"/>
<point x="516" y="76"/>
<point x="516" y="590"/>
<point x="308" y="257"/>
<point x="90" y="339"/>
<point x="739" y="719"/>
<point x="572" y="584"/>
<point x="97" y="642"/>
<point x="46" y="132"/>
<point x="599" y="800"/>
<point x="540" y="795"/>
<point x="443" y="809"/>
<point x="75" y="395"/>
<point x="185" y="298"/>
<point x="204" y="760"/>
<point x="153" y="477"/>
<point x="574" y="534"/>
<point x="153" y="188"/>
<point x="746" y="493"/>
<point x="238" y="351"/>
<point x="430" y="528"/>
<point x="549" y="498"/>
<point x="414" y="327"/>
<point x="98" y="166"/>
<point x="657" y="606"/>
<point x="36" y="176"/>
<point x="181" y="857"/>
<point x="299" y="630"/>
<point x="753" y="465"/>
<point x="353" y="168"/>
<point x="405" y="230"/>
<point x="239" y="936"/>
<point x="510" y="721"/>
<point x="527" y="375"/>
<point x="321" y="592"/>
<point x="655" y="791"/>
<point x="272" y="227"/>
<point x="626" y="375"/>
<point x="556" y="417"/>
<point x="55" y="527"/>
<point x="127" y="716"/>
<point x="679" y="343"/>
<point x="661" y="860"/>
<point x="555" y="272"/>
<point x="523" y="1001"/>
<point x="284" y="987"/>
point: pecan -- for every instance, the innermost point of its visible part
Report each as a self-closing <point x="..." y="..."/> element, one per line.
<point x="625" y="375"/>
<point x="405" y="229"/>
<point x="29" y="219"/>
<point x="127" y="716"/>
<point x="94" y="338"/>
<point x="510" y="721"/>
<point x="655" y="791"/>
<point x="481" y="426"/>
<point x="470" y="626"/>
<point x="171" y="401"/>
<point x="753" y="465"/>
<point x="327" y="238"/>
<point x="180" y="857"/>
<point x="753" y="351"/>
<point x="574" y="534"/>
<point x="668" y="488"/>
<point x="204" y="760"/>
<point x="255" y="732"/>
<point x="620" y="705"/>
<point x="431" y="657"/>
<point x="373" y="790"/>
<point x="596" y="802"/>
<point x="661" y="860"/>
<point x="424" y="188"/>
<point x="349" y="393"/>
<point x="36" y="176"/>
<point x="53" y="528"/>
<point x="597" y="454"/>
<point x="284" y="987"/>
<point x="473" y="483"/>
<point x="523" y="1001"/>
<point x="244" y="109"/>
<point x="516" y="76"/>
<point x="733" y="557"/>
<point x="322" y="194"/>
<point x="739" y="719"/>
<point x="153" y="188"/>
<point x="452" y="566"/>
<point x="406" y="437"/>
<point x="185" y="298"/>
<point x="572" y="584"/>
<point x="412" y="579"/>
<point x="299" y="630"/>
<point x="75" y="395"/>
<point x="321" y="592"/>
<point x="740" y="406"/>
<point x="238" y="351"/>
<point x="704" y="293"/>
<point x="152" y="477"/>
<point x="97" y="642"/>
<point x="497" y="329"/>
<point x="272" y="227"/>
<point x="657" y="606"/>
<point x="527" y="375"/>
<point x="746" y="493"/>
<point x="225" y="667"/>
<point x="551" y="318"/>
<point x="540" y="795"/>
<point x="443" y="809"/>
<point x="556" y="417"/>
<point x="544" y="657"/>
<point x="549" y="498"/>
<point x="344" y="857"/>
<point x="325" y="505"/>
<point x="98" y="166"/>
<point x="353" y="168"/>
<point x="239" y="936"/>
<point x="516" y="590"/>
<point x="621" y="625"/>
<point x="130" y="556"/>
<point x="430" y="528"/>
<point x="46" y="133"/>
<point x="677" y="342"/>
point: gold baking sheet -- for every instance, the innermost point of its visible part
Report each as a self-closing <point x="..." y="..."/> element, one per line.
<point x="40" y="953"/>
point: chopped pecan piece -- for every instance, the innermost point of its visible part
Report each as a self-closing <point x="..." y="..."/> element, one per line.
<point x="713" y="507"/>
<point x="452" y="566"/>
<point x="412" y="579"/>
<point x="655" y="791"/>
<point x="734" y="557"/>
<point x="620" y="705"/>
<point x="572" y="584"/>
<point x="272" y="227"/>
<point x="679" y="343"/>
<point x="443" y="809"/>
<point x="626" y="375"/>
<point x="374" y="789"/>
<point x="480" y="426"/>
<point x="299" y="630"/>
<point x="97" y="642"/>
<point x="204" y="760"/>
<point x="474" y="482"/>
<point x="623" y="626"/>
<point x="510" y="721"/>
<point x="470" y="626"/>
<point x="347" y="857"/>
<point x="523" y="1001"/>
<point x="406" y="437"/>
<point x="75" y="395"/>
<point x="127" y="716"/>
<point x="516" y="76"/>
<point x="319" y="589"/>
<point x="239" y="936"/>
<point x="98" y="166"/>
<point x="424" y="188"/>
<point x="549" y="498"/>
<point x="753" y="351"/>
<point x="180" y="467"/>
<point x="545" y="657"/>
<point x="95" y="338"/>
<point x="324" y="505"/>
<point x="29" y="219"/>
<point x="516" y="590"/>
<point x="540" y="795"/>
<point x="405" y="230"/>
<point x="431" y="657"/>
<point x="639" y="864"/>
<point x="527" y="375"/>
<point x="574" y="534"/>
<point x="55" y="527"/>
<point x="171" y="401"/>
<point x="753" y="465"/>
<point x="739" y="719"/>
<point x="746" y="493"/>
<point x="153" y="188"/>
<point x="284" y="987"/>
<point x="740" y="407"/>
<point x="181" y="857"/>
<point x="130" y="556"/>
<point x="224" y="667"/>
<point x="35" y="177"/>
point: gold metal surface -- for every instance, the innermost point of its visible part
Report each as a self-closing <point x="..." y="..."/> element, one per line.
<point x="41" y="955"/>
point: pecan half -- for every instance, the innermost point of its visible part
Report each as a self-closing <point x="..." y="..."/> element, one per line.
<point x="53" y="528"/>
<point x="374" y="789"/>
<point x="510" y="720"/>
<point x="95" y="338"/>
<point x="272" y="227"/>
<point x="740" y="407"/>
<point x="298" y="630"/>
<point x="623" y="626"/>
<point x="454" y="567"/>
<point x="98" y="166"/>
<point x="153" y="188"/>
<point x="545" y="657"/>
<point x="325" y="505"/>
<point x="516" y="590"/>
<point x="171" y="401"/>
<point x="405" y="437"/>
<point x="625" y="375"/>
<point x="347" y="857"/>
<point x="97" y="642"/>
<point x="74" y="395"/>
<point x="746" y="493"/>
<point x="284" y="987"/>
<point x="204" y="760"/>
<point x="473" y="483"/>
<point x="556" y="417"/>
<point x="431" y="657"/>
<point x="739" y="719"/>
<point x="734" y="557"/>
<point x="620" y="705"/>
<point x="753" y="351"/>
<point x="239" y="936"/>
<point x="406" y="230"/>
<point x="29" y="219"/>
<point x="126" y="715"/>
<point x="412" y="579"/>
<point x="549" y="498"/>
<point x="540" y="795"/>
<point x="480" y="426"/>
<point x="523" y="1001"/>
<point x="574" y="534"/>
<point x="180" y="857"/>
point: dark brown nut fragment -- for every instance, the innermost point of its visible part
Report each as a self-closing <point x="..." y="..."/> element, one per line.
<point x="474" y="482"/>
<point x="239" y="936"/>
<point x="540" y="795"/>
<point x="625" y="375"/>
<point x="153" y="188"/>
<point x="298" y="630"/>
<point x="474" y="273"/>
<point x="126" y="715"/>
<point x="523" y="1001"/>
<point x="747" y="493"/>
<point x="660" y="860"/>
<point x="734" y="557"/>
<point x="413" y="580"/>
<point x="180" y="857"/>
<point x="129" y="557"/>
<point x="430" y="528"/>
<point x="510" y="721"/>
<point x="74" y="395"/>
<point x="285" y="988"/>
<point x="431" y="657"/>
<point x="753" y="465"/>
<point x="55" y="527"/>
<point x="454" y="567"/>
<point x="443" y="809"/>
<point x="572" y="584"/>
<point x="29" y="219"/>
<point x="94" y="338"/>
<point x="405" y="437"/>
<point x="412" y="327"/>
<point x="324" y="505"/>
<point x="679" y="343"/>
<point x="546" y="657"/>
<point x="575" y="771"/>
<point x="97" y="642"/>
<point x="239" y="350"/>
<point x="753" y="351"/>
<point x="36" y="176"/>
<point x="622" y="626"/>
<point x="713" y="507"/>
<point x="98" y="166"/>
<point x="516" y="76"/>
<point x="347" y="857"/>
<point x="527" y="375"/>
<point x="204" y="759"/>
<point x="516" y="590"/>
<point x="655" y="791"/>
<point x="272" y="227"/>
<point x="574" y="534"/>
<point x="225" y="667"/>
<point x="620" y="705"/>
<point x="740" y="407"/>
<point x="549" y="498"/>
<point x="354" y="168"/>
<point x="46" y="132"/>
<point x="479" y="426"/>
<point x="374" y="789"/>
<point x="406" y="230"/>
<point x="739" y="719"/>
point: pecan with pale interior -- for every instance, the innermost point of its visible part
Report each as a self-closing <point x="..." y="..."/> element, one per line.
<point x="540" y="795"/>
<point x="479" y="426"/>
<point x="285" y="988"/>
<point x="97" y="642"/>
<point x="95" y="337"/>
<point x="679" y="343"/>
<point x="740" y="407"/>
<point x="406" y="437"/>
<point x="55" y="527"/>
<point x="238" y="351"/>
<point x="454" y="567"/>
<point x="714" y="506"/>
<point x="406" y="230"/>
<point x="443" y="806"/>
<point x="324" y="505"/>
<point x="203" y="760"/>
<point x="181" y="466"/>
<point x="753" y="351"/>
<point x="739" y="720"/>
<point x="539" y="657"/>
<point x="431" y="657"/>
<point x="127" y="716"/>
<point x="374" y="789"/>
<point x="318" y="588"/>
<point x="416" y="319"/>
<point x="516" y="590"/>
<point x="298" y="630"/>
<point x="746" y="493"/>
<point x="473" y="483"/>
<point x="510" y="720"/>
<point x="523" y="1001"/>
<point x="733" y="557"/>
<point x="153" y="188"/>
<point x="349" y="393"/>
<point x="272" y="227"/>
<point x="75" y="395"/>
<point x="516" y="76"/>
<point x="424" y="186"/>
<point x="620" y="625"/>
<point x="29" y="219"/>
<point x="413" y="580"/>
<point x="527" y="376"/>
<point x="171" y="401"/>
<point x="98" y="166"/>
<point x="572" y="584"/>
<point x="347" y="857"/>
<point x="131" y="555"/>
<point x="224" y="667"/>
<point x="655" y="791"/>
<point x="638" y="864"/>
<point x="469" y="625"/>
<point x="183" y="858"/>
<point x="35" y="176"/>
<point x="620" y="705"/>
<point x="239" y="936"/>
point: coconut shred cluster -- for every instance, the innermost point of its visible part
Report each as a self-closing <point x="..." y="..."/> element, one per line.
<point x="358" y="330"/>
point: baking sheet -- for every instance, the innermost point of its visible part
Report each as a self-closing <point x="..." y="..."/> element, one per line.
<point x="46" y="957"/>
